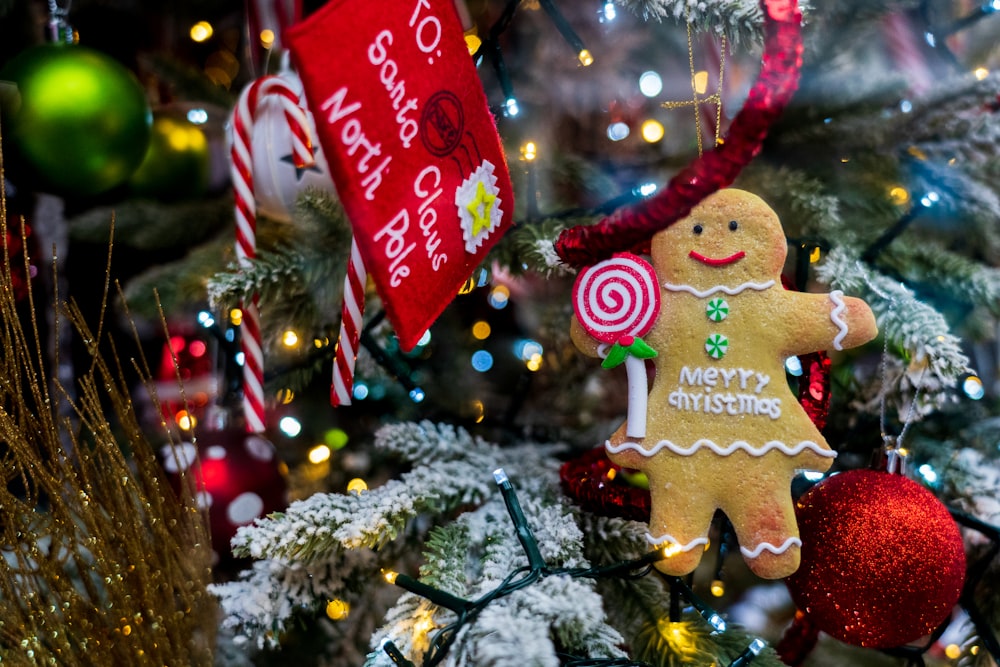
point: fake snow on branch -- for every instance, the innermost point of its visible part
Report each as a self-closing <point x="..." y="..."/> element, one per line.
<point x="738" y="20"/>
<point x="448" y="473"/>
<point x="904" y="320"/>
<point x="474" y="555"/>
<point x="322" y="545"/>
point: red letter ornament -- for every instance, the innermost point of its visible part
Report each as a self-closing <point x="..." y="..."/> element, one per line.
<point x="415" y="155"/>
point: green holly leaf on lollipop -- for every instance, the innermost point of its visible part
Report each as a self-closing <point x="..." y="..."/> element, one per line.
<point x="627" y="345"/>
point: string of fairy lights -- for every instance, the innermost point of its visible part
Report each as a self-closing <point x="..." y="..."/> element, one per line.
<point x="466" y="611"/>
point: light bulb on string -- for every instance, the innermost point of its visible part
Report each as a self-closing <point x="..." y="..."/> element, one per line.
<point x="608" y="12"/>
<point x="972" y="387"/>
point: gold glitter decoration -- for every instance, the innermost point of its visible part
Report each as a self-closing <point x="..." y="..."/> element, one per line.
<point x="101" y="563"/>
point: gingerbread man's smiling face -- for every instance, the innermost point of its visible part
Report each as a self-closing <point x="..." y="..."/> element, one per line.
<point x="730" y="238"/>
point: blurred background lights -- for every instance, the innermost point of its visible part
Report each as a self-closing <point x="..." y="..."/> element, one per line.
<point x="185" y="420"/>
<point x="529" y="151"/>
<point x="718" y="588"/>
<point x="205" y="319"/>
<point x="360" y="391"/>
<point x="608" y="12"/>
<point x="930" y="199"/>
<point x="585" y="58"/>
<point x="510" y="107"/>
<point x="645" y="189"/>
<point x="482" y="360"/>
<point x="793" y="366"/>
<point x="197" y="116"/>
<point x="812" y="475"/>
<point x="266" y="38"/>
<point x="201" y="31"/>
<point x="526" y="348"/>
<point x="928" y="473"/>
<point x="425" y="339"/>
<point x="650" y="84"/>
<point x="335" y="438"/>
<point x="290" y="338"/>
<point x="357" y="485"/>
<point x="899" y="195"/>
<point x="973" y="387"/>
<point x="417" y="395"/>
<point x="652" y="131"/>
<point x="617" y="131"/>
<point x="534" y="363"/>
<point x="472" y="41"/>
<point x="981" y="73"/>
<point x="290" y="426"/>
<point x="499" y="296"/>
<point x="337" y="610"/>
<point x="700" y="82"/>
<point x="481" y="330"/>
<point x="319" y="453"/>
<point x="197" y="348"/>
<point x="236" y="317"/>
<point x="906" y="106"/>
<point x="239" y="357"/>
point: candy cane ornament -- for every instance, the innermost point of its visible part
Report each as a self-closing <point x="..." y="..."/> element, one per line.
<point x="617" y="301"/>
<point x="350" y="329"/>
<point x="269" y="89"/>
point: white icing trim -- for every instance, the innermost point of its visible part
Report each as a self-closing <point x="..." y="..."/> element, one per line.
<point x="839" y="307"/>
<point x="667" y="537"/>
<point x="760" y="548"/>
<point x="722" y="451"/>
<point x="731" y="291"/>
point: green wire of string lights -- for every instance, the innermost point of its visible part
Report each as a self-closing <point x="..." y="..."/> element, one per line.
<point x="467" y="610"/>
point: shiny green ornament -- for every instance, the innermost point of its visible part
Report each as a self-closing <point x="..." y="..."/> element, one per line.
<point x="176" y="164"/>
<point x="79" y="119"/>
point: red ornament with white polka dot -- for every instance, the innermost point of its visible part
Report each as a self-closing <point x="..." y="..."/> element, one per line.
<point x="238" y="477"/>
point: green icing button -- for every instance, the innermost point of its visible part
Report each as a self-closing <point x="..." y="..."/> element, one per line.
<point x="717" y="345"/>
<point x="717" y="309"/>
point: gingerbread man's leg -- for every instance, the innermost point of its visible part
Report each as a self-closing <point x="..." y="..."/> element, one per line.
<point x="767" y="531"/>
<point x="679" y="522"/>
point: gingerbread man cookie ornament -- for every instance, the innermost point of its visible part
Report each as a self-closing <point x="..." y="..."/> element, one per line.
<point x="723" y="429"/>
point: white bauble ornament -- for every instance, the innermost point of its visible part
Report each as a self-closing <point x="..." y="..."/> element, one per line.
<point x="276" y="180"/>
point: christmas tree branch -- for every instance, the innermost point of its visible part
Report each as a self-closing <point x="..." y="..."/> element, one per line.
<point x="907" y="322"/>
<point x="739" y="20"/>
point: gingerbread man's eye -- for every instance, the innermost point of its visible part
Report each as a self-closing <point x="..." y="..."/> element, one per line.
<point x="733" y="225"/>
<point x="698" y="229"/>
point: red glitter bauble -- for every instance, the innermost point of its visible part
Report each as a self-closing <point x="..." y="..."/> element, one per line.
<point x="882" y="560"/>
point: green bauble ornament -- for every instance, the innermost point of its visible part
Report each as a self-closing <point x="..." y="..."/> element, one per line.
<point x="185" y="155"/>
<point x="80" y="119"/>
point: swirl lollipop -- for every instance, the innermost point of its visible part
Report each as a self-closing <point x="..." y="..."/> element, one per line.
<point x="616" y="301"/>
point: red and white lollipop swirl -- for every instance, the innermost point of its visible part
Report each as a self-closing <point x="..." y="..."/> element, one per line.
<point x="616" y="301"/>
<point x="617" y="297"/>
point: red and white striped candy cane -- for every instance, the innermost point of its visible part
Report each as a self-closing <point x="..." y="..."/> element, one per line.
<point x="251" y="99"/>
<point x="350" y="329"/>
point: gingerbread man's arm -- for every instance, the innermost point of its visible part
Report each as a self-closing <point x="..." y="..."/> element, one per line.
<point x="583" y="340"/>
<point x="827" y="322"/>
